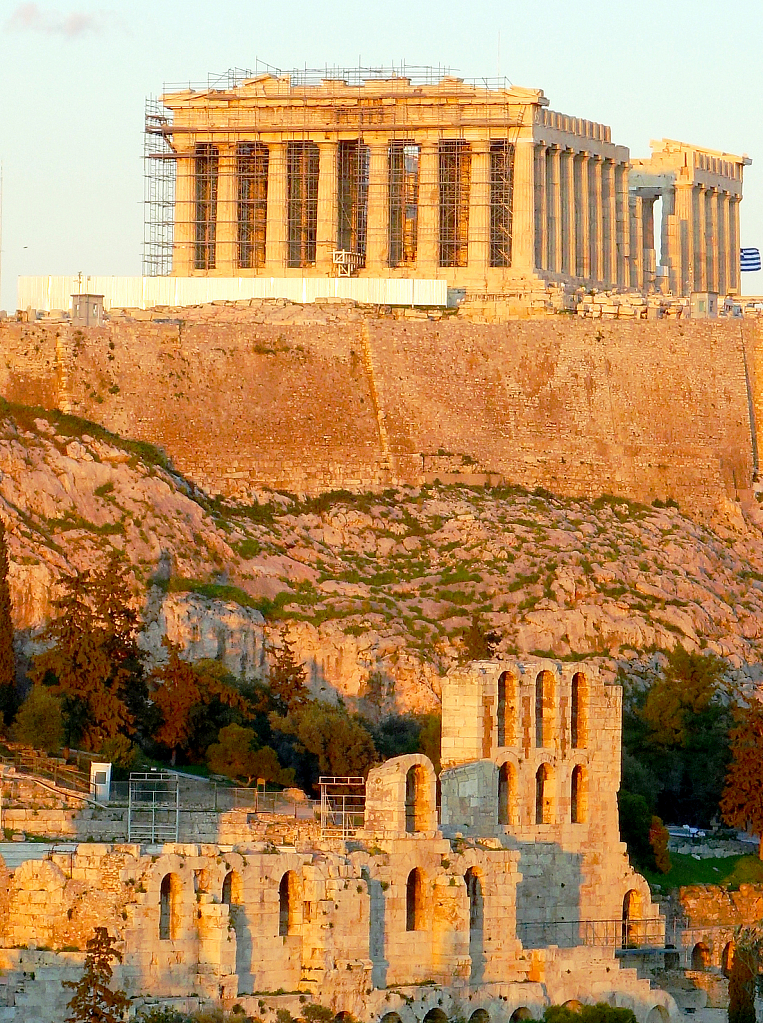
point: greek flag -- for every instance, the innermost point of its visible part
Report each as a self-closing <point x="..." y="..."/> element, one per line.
<point x="749" y="259"/>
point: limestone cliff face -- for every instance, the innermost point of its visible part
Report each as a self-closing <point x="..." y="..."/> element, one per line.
<point x="374" y="590"/>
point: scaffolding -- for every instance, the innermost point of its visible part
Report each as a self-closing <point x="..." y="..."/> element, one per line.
<point x="343" y="806"/>
<point x="208" y="176"/>
<point x="153" y="807"/>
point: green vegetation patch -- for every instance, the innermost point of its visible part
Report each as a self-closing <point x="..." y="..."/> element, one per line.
<point x="729" y="871"/>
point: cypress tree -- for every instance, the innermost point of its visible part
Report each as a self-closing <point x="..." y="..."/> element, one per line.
<point x="8" y="697"/>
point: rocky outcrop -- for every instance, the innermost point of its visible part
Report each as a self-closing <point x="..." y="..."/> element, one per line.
<point x="375" y="590"/>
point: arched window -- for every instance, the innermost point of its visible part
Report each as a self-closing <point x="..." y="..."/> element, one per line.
<point x="727" y="959"/>
<point x="506" y="709"/>
<point x="169" y="907"/>
<point x="416" y="800"/>
<point x="287" y="903"/>
<point x="631" y="913"/>
<point x="700" y="956"/>
<point x="435" y="1016"/>
<point x="480" y="1016"/>
<point x="519" y="1014"/>
<point x="233" y="893"/>
<point x="474" y="893"/>
<point x="543" y="795"/>
<point x="507" y="794"/>
<point x="577" y="711"/>
<point x="578" y="807"/>
<point x="544" y="707"/>
<point x="414" y="901"/>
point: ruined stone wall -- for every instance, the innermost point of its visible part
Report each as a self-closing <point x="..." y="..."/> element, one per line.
<point x="640" y="409"/>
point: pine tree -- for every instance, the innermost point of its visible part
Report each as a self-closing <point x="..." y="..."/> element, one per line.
<point x="8" y="696"/>
<point x="288" y="679"/>
<point x="93" y="1000"/>
<point x="742" y="800"/>
<point x="741" y="990"/>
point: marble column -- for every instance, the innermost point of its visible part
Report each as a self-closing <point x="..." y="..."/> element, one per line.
<point x="568" y="212"/>
<point x="700" y="278"/>
<point x="597" y="215"/>
<point x="622" y="227"/>
<point x="377" y="223"/>
<point x="684" y="206"/>
<point x="326" y="227"/>
<point x="612" y="234"/>
<point x="555" y="209"/>
<point x="723" y="243"/>
<point x="636" y="261"/>
<point x="226" y="230"/>
<point x="276" y="227"/>
<point x="541" y="209"/>
<point x="584" y="220"/>
<point x="523" y="222"/>
<point x="479" y="209"/>
<point x="184" y="237"/>
<point x="712" y="241"/>
<point x="427" y="245"/>
<point x="734" y="283"/>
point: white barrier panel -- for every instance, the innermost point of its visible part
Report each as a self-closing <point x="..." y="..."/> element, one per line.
<point x="46" y="293"/>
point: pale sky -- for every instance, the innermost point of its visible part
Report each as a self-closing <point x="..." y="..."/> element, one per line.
<point x="74" y="75"/>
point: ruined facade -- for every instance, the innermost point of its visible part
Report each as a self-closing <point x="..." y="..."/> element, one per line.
<point x="519" y="896"/>
<point x="395" y="176"/>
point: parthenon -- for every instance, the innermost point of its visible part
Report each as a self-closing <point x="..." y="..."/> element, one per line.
<point x="402" y="174"/>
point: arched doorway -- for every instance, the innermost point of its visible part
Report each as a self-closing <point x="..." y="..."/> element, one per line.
<point x="506" y="793"/>
<point x="480" y="1016"/>
<point x="416" y="800"/>
<point x="543" y="802"/>
<point x="414" y="901"/>
<point x="435" y="1016"/>
<point x="700" y="956"/>
<point x="288" y="898"/>
<point x="170" y="893"/>
<point x="578" y="711"/>
<point x="507" y="699"/>
<point x="233" y="889"/>
<point x="727" y="959"/>
<point x="519" y="1014"/>
<point x="544" y="706"/>
<point x="573" y="1005"/>
<point x="631" y="913"/>
<point x="473" y="884"/>
<point x="578" y="806"/>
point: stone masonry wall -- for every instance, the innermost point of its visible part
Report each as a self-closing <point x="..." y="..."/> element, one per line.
<point x="653" y="409"/>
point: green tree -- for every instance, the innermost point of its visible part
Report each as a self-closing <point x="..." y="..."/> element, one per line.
<point x="234" y="756"/>
<point x="658" y="840"/>
<point x="479" y="642"/>
<point x="288" y="679"/>
<point x="336" y="743"/>
<point x="8" y="695"/>
<point x="87" y="661"/>
<point x="742" y="800"/>
<point x="635" y="826"/>
<point x="182" y="694"/>
<point x="741" y="990"/>
<point x="602" y="1012"/>
<point x="675" y="737"/>
<point x="93" y="1000"/>
<point x="40" y="721"/>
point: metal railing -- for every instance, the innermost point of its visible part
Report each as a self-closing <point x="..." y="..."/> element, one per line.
<point x="57" y="770"/>
<point x="343" y="806"/>
<point x="621" y="935"/>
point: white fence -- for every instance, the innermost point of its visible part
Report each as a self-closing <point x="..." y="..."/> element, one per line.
<point x="46" y="293"/>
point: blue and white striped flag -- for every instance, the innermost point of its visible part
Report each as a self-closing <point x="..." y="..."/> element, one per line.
<point x="749" y="259"/>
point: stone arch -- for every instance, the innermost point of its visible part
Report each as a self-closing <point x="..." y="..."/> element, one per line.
<point x="170" y="894"/>
<point x="507" y="709"/>
<point x="435" y="1016"/>
<point x="475" y="894"/>
<point x="417" y="809"/>
<point x="414" y="901"/>
<point x="544" y="708"/>
<point x="390" y="1017"/>
<point x="727" y="958"/>
<point x="233" y="889"/>
<point x="578" y="795"/>
<point x="288" y="901"/>
<point x="519" y="1014"/>
<point x="700" y="956"/>
<point x="579" y="711"/>
<point x="544" y="800"/>
<point x="658" y="1014"/>
<point x="480" y="1016"/>
<point x="631" y="914"/>
<point x="573" y="1005"/>
<point x="507" y="793"/>
<point x="343" y="1017"/>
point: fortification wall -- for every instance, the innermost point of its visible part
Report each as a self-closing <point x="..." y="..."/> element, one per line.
<point x="648" y="409"/>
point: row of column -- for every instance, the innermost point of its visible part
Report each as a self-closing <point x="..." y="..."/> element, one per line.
<point x="700" y="239"/>
<point x="581" y="215"/>
<point x="377" y="233"/>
